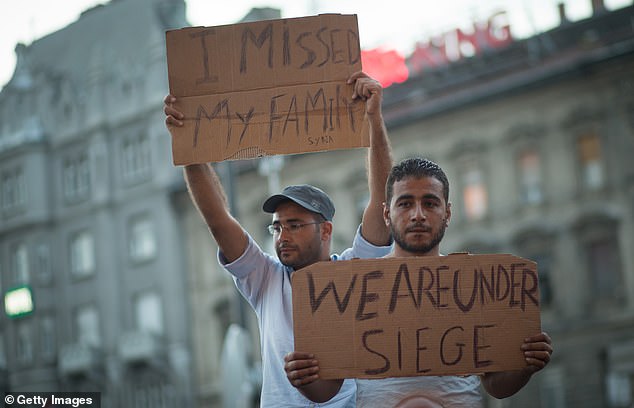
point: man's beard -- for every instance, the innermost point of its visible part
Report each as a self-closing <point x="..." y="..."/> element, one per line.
<point x="418" y="249"/>
<point x="304" y="255"/>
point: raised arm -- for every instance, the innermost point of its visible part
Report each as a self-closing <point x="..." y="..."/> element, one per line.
<point x="208" y="195"/>
<point x="537" y="350"/>
<point x="379" y="159"/>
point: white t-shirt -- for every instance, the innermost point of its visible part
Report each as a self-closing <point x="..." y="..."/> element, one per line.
<point x="437" y="392"/>
<point x="427" y="391"/>
<point x="265" y="283"/>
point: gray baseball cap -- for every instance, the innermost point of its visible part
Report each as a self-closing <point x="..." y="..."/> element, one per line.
<point x="310" y="197"/>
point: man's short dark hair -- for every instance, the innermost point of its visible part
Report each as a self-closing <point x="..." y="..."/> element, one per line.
<point x="416" y="167"/>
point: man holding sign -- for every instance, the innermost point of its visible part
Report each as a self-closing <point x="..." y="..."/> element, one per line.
<point x="417" y="212"/>
<point x="302" y="231"/>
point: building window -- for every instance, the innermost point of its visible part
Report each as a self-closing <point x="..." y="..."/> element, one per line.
<point x="551" y="387"/>
<point x="604" y="264"/>
<point x="544" y="272"/>
<point x="3" y="354"/>
<point x="47" y="337"/>
<point x="474" y="193"/>
<point x="136" y="159"/>
<point x="24" y="345"/>
<point x="619" y="389"/>
<point x="530" y="177"/>
<point x="82" y="254"/>
<point x="20" y="264"/>
<point x="142" y="245"/>
<point x="43" y="263"/>
<point x="537" y="245"/>
<point x="87" y="326"/>
<point x="590" y="161"/>
<point x="13" y="190"/>
<point x="149" y="392"/>
<point x="149" y="313"/>
<point x="76" y="178"/>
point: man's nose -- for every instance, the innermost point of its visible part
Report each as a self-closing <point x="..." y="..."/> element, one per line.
<point x="418" y="212"/>
<point x="284" y="234"/>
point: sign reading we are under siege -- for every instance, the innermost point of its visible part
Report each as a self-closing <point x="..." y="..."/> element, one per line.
<point x="264" y="88"/>
<point x="393" y="317"/>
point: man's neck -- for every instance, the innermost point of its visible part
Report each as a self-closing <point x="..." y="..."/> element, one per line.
<point x="398" y="252"/>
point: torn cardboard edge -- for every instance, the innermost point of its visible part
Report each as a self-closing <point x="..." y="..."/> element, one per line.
<point x="297" y="119"/>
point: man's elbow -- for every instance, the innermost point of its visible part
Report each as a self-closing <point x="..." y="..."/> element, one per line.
<point x="504" y="384"/>
<point x="499" y="394"/>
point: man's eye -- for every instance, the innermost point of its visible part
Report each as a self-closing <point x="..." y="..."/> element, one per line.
<point x="294" y="227"/>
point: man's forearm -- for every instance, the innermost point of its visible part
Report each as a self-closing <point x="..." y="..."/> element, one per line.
<point x="379" y="159"/>
<point x="379" y="163"/>
<point x="209" y="197"/>
<point x="205" y="190"/>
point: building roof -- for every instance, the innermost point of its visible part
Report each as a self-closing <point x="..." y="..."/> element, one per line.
<point x="566" y="48"/>
<point x="103" y="39"/>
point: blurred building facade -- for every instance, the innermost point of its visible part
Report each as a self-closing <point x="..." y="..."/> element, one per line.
<point x="87" y="218"/>
<point x="536" y="139"/>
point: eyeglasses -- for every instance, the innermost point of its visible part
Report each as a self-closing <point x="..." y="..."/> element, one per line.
<point x="276" y="229"/>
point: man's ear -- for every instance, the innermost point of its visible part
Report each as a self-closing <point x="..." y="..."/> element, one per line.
<point x="386" y="214"/>
<point x="448" y="213"/>
<point x="326" y="230"/>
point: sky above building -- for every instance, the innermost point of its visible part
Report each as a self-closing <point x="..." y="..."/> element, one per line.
<point x="397" y="24"/>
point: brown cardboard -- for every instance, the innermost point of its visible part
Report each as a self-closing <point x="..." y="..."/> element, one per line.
<point x="376" y="318"/>
<point x="264" y="88"/>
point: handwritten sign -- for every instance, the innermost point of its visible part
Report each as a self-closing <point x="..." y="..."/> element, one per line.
<point x="264" y="88"/>
<point x="394" y="317"/>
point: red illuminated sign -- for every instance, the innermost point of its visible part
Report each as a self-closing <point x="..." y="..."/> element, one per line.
<point x="386" y="66"/>
<point x="390" y="66"/>
<point x="457" y="44"/>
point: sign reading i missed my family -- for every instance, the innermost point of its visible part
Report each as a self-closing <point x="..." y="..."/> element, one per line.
<point x="265" y="88"/>
<point x="394" y="317"/>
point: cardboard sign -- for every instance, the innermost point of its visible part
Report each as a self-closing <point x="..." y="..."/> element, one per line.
<point x="393" y="317"/>
<point x="269" y="87"/>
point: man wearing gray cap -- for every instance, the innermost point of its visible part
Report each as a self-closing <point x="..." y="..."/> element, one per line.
<point x="302" y="231"/>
